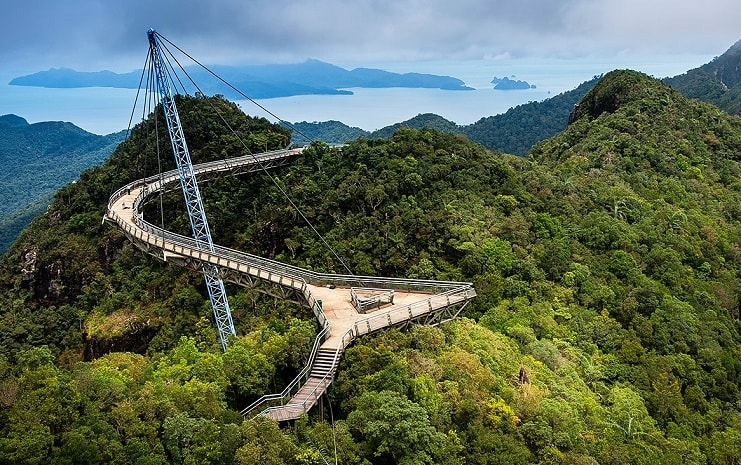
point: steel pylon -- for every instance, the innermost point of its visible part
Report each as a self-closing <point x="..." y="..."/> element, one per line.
<point x="191" y="193"/>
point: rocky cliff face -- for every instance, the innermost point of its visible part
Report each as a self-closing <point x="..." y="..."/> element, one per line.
<point x="28" y="266"/>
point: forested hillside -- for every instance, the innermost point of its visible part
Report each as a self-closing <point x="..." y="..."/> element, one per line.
<point x="717" y="82"/>
<point x="521" y="127"/>
<point x="336" y="132"/>
<point x="39" y="159"/>
<point x="330" y="132"/>
<point x="606" y="329"/>
<point x="421" y="121"/>
<point x="514" y="131"/>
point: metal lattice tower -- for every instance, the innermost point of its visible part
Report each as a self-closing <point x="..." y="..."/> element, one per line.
<point x="193" y="202"/>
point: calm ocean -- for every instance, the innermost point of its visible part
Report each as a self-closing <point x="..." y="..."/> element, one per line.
<point x="106" y="110"/>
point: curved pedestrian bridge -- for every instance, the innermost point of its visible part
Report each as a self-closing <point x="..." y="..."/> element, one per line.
<point x="346" y="306"/>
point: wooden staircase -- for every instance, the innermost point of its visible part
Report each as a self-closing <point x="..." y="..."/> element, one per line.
<point x="321" y="376"/>
<point x="324" y="363"/>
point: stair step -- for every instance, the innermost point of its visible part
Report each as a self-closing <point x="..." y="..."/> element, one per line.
<point x="325" y="363"/>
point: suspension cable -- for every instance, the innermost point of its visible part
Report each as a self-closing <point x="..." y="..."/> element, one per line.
<point x="157" y="149"/>
<point x="131" y="120"/>
<point x="267" y="172"/>
<point x="244" y="144"/>
<point x="172" y="75"/>
<point x="146" y="110"/>
<point x="136" y="99"/>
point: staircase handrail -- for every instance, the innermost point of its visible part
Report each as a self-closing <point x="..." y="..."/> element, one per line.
<point x="289" y="391"/>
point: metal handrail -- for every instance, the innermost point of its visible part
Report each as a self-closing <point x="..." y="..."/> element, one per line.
<point x="301" y="377"/>
<point x="223" y="255"/>
<point x="320" y="338"/>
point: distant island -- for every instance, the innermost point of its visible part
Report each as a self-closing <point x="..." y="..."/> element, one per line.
<point x="506" y="83"/>
<point x="312" y="77"/>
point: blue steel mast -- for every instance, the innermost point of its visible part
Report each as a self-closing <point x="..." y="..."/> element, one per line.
<point x="193" y="202"/>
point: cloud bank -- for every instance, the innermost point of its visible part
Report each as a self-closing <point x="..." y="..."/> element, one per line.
<point x="98" y="34"/>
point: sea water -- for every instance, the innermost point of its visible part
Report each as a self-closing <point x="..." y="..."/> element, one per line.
<point x="106" y="110"/>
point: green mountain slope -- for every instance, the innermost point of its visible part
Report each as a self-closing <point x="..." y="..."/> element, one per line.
<point x="336" y="132"/>
<point x="518" y="129"/>
<point x="717" y="82"/>
<point x="41" y="158"/>
<point x="606" y="329"/>
<point x="424" y="120"/>
<point x="330" y="132"/>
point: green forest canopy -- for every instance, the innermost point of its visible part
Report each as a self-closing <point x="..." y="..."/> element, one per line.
<point x="606" y="328"/>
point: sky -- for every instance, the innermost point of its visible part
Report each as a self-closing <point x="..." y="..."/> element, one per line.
<point x="91" y="35"/>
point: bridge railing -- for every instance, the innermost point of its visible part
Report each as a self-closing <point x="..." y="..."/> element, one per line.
<point x="368" y="325"/>
<point x="284" y="396"/>
<point x="165" y="180"/>
<point x="161" y="238"/>
<point x="224" y="256"/>
<point x="265" y="268"/>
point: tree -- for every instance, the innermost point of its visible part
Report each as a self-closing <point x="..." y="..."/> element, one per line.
<point x="191" y="440"/>
<point x="391" y="427"/>
<point x="265" y="444"/>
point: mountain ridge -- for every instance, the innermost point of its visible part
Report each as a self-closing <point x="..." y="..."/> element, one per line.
<point x="519" y="128"/>
<point x="717" y="82"/>
<point x="514" y="131"/>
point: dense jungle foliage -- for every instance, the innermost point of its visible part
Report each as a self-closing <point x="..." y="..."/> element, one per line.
<point x="606" y="327"/>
